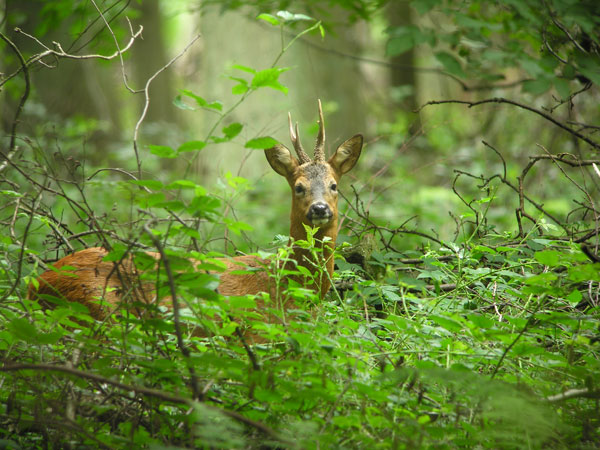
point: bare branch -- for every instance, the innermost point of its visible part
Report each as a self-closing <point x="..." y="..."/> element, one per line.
<point x="548" y="117"/>
<point x="574" y="393"/>
<point x="148" y="392"/>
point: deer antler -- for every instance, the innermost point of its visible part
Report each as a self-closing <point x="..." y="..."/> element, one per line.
<point x="295" y="137"/>
<point x="320" y="145"/>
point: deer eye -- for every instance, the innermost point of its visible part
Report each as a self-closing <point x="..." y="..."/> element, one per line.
<point x="299" y="189"/>
<point x="334" y="187"/>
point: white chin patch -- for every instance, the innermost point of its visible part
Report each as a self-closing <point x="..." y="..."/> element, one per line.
<point x="319" y="222"/>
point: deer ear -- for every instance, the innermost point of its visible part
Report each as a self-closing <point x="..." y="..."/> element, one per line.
<point x="346" y="155"/>
<point x="281" y="160"/>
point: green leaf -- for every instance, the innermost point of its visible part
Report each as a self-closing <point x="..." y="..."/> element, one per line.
<point x="450" y="63"/>
<point x="237" y="227"/>
<point x="182" y="184"/>
<point x="239" y="89"/>
<point x="150" y="184"/>
<point x="481" y="321"/>
<point x="542" y="279"/>
<point x="448" y="324"/>
<point x="584" y="272"/>
<point x="399" y="44"/>
<point x="244" y="68"/>
<point x="537" y="86"/>
<point x="269" y="18"/>
<point x="191" y="146"/>
<point x="22" y="329"/>
<point x="269" y="78"/>
<point x="589" y="66"/>
<point x="261" y="143"/>
<point x="574" y="298"/>
<point x="203" y="204"/>
<point x="405" y="38"/>
<point x="179" y="103"/>
<point x="563" y="87"/>
<point x="202" y="102"/>
<point x="244" y="302"/>
<point x="163" y="151"/>
<point x="549" y="257"/>
<point x="231" y="131"/>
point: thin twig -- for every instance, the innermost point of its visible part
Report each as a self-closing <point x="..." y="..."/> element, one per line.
<point x="15" y="123"/>
<point x="147" y="101"/>
<point x="175" y="301"/>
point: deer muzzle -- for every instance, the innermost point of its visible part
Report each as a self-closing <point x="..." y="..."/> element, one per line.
<point x="319" y="213"/>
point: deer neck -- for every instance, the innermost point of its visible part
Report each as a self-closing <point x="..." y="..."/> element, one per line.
<point x="325" y="241"/>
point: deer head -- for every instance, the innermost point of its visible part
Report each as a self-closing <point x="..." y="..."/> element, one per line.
<point x="314" y="182"/>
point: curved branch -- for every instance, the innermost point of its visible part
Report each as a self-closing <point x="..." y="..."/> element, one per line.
<point x="148" y="392"/>
<point x="546" y="116"/>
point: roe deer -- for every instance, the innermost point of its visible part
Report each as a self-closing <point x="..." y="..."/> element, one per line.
<point x="97" y="284"/>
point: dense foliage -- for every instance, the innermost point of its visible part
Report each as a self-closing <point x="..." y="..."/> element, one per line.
<point x="466" y="308"/>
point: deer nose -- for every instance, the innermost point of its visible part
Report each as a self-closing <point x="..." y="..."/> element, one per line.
<point x="319" y="213"/>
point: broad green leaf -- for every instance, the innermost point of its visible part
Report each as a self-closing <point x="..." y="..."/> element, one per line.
<point x="532" y="67"/>
<point x="182" y="184"/>
<point x="542" y="279"/>
<point x="261" y="143"/>
<point x="163" y="151"/>
<point x="450" y="63"/>
<point x="400" y="44"/>
<point x="232" y="130"/>
<point x="243" y="302"/>
<point x="150" y="184"/>
<point x="269" y="78"/>
<point x="239" y="89"/>
<point x="405" y="38"/>
<point x="481" y="320"/>
<point x="236" y="226"/>
<point x="448" y="324"/>
<point x="589" y="65"/>
<point x="574" y="297"/>
<point x="191" y="146"/>
<point x="549" y="257"/>
<point x="563" y="87"/>
<point x="537" y="86"/>
<point x="204" y="204"/>
<point x="584" y="272"/>
<point x="523" y="349"/>
<point x="153" y="199"/>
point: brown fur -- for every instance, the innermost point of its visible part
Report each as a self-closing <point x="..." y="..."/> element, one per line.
<point x="100" y="285"/>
